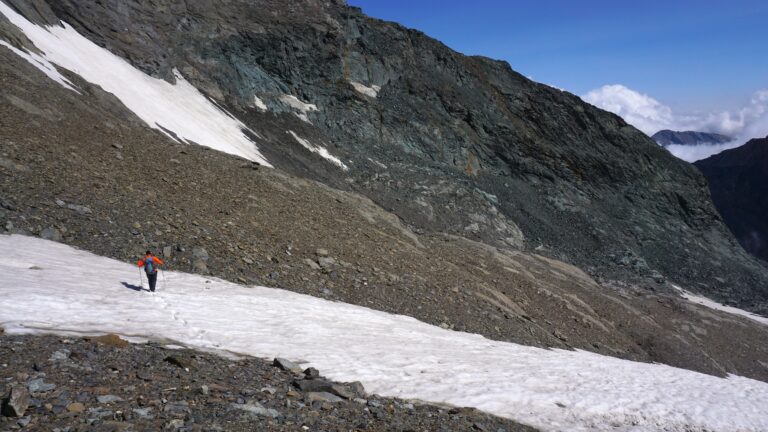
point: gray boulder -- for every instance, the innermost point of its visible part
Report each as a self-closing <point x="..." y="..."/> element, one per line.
<point x="16" y="403"/>
<point x="37" y="385"/>
<point x="51" y="233"/>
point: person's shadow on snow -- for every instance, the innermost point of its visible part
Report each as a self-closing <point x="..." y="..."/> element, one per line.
<point x="132" y="286"/>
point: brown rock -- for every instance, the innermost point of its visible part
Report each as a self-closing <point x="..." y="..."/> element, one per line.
<point x="112" y="340"/>
<point x="76" y="407"/>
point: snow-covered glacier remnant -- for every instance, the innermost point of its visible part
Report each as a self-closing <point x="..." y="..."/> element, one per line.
<point x="179" y="108"/>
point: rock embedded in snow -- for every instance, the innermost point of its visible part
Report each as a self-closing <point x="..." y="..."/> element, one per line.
<point x="16" y="403"/>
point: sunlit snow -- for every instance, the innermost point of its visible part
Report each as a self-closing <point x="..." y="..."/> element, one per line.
<point x="322" y="151"/>
<point x="51" y="287"/>
<point x="179" y="107"/>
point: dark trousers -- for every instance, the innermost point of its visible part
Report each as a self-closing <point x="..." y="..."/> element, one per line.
<point x="152" y="277"/>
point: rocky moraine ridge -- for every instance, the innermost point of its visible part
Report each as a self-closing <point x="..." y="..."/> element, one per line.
<point x="106" y="384"/>
<point x="450" y="143"/>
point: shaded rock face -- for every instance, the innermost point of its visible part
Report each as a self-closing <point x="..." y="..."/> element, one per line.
<point x="668" y="137"/>
<point x="449" y="143"/>
<point x="738" y="180"/>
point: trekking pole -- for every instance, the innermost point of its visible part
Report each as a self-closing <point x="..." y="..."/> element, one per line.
<point x="141" y="280"/>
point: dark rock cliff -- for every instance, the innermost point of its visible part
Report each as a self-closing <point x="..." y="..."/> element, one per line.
<point x="450" y="143"/>
<point x="738" y="180"/>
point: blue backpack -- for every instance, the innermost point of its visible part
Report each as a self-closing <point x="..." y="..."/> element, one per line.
<point x="149" y="266"/>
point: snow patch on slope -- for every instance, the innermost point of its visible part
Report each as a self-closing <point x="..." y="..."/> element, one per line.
<point x="179" y="107"/>
<point x="322" y="151"/>
<point x="259" y="104"/>
<point x="42" y="64"/>
<point x="50" y="287"/>
<point x="297" y="104"/>
<point x="691" y="297"/>
<point x="371" y="91"/>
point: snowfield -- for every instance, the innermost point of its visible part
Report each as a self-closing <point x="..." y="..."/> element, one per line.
<point x="49" y="287"/>
<point x="179" y="108"/>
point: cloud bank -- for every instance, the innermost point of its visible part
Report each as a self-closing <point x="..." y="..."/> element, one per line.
<point x="650" y="116"/>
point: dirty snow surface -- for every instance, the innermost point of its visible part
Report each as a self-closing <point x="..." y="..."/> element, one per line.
<point x="178" y="108"/>
<point x="51" y="287"/>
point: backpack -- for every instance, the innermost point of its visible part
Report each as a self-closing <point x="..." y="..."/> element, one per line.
<point x="149" y="265"/>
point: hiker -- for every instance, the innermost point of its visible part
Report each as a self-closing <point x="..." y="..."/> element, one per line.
<point x="150" y="263"/>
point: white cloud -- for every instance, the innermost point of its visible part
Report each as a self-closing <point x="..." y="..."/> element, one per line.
<point x="650" y="116"/>
<point x="639" y="110"/>
<point x="692" y="153"/>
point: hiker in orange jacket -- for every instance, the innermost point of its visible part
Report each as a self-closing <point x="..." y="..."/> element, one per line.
<point x="150" y="264"/>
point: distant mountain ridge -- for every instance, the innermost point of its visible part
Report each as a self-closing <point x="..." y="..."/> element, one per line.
<point x="738" y="181"/>
<point x="668" y="137"/>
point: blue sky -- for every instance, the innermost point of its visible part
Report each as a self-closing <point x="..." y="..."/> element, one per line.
<point x="692" y="56"/>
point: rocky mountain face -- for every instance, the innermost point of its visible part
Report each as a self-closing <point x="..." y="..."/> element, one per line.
<point x="668" y="137"/>
<point x="738" y="181"/>
<point x="473" y="198"/>
<point x="449" y="143"/>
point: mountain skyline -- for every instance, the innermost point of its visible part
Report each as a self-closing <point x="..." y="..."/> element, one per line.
<point x="682" y="66"/>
